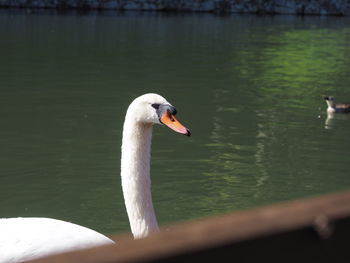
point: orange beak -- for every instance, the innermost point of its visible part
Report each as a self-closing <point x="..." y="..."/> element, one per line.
<point x="170" y="121"/>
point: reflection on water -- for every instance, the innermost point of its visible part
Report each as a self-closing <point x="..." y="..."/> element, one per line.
<point x="248" y="87"/>
<point x="333" y="118"/>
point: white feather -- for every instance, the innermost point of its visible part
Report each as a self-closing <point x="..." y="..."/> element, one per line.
<point x="30" y="238"/>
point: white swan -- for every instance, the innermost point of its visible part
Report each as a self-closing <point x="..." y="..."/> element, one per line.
<point x="30" y="238"/>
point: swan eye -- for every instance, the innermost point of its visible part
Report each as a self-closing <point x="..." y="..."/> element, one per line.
<point x="156" y="106"/>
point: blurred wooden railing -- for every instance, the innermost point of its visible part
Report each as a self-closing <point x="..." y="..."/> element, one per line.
<point x="311" y="230"/>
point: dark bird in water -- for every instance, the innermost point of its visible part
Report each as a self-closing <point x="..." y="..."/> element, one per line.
<point x="336" y="107"/>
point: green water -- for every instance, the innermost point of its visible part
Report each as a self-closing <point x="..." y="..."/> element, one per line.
<point x="248" y="87"/>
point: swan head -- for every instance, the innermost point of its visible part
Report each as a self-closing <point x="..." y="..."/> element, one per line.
<point x="154" y="109"/>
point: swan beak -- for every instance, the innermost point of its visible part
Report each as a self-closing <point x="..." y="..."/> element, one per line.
<point x="170" y="121"/>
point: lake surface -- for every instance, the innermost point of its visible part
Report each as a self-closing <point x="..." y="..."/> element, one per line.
<point x="248" y="87"/>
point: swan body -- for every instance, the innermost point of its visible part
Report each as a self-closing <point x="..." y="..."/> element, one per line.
<point x="30" y="238"/>
<point x="336" y="107"/>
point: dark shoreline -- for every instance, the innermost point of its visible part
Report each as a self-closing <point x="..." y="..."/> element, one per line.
<point x="271" y="7"/>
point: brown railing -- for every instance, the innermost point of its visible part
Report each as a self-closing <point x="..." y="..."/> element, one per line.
<point x="311" y="230"/>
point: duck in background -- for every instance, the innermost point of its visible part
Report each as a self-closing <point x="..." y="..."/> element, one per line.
<point x="332" y="111"/>
<point x="336" y="107"/>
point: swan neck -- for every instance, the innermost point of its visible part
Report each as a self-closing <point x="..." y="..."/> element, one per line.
<point x="136" y="180"/>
